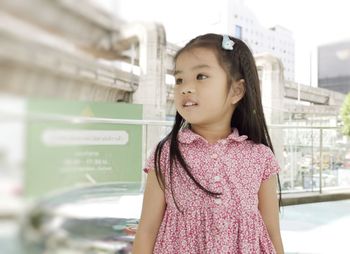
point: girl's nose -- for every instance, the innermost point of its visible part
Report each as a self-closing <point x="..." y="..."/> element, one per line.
<point x="187" y="90"/>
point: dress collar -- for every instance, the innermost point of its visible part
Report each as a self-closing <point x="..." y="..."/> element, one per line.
<point x="187" y="136"/>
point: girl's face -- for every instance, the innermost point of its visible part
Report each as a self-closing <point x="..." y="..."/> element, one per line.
<point x="202" y="94"/>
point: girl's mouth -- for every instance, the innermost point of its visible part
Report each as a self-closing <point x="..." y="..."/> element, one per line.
<point x="190" y="104"/>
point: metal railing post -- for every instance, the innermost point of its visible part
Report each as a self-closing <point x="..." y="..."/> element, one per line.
<point x="321" y="158"/>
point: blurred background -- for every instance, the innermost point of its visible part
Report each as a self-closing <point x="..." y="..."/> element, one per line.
<point x="86" y="91"/>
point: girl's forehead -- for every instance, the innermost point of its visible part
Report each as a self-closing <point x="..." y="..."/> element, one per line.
<point x="196" y="56"/>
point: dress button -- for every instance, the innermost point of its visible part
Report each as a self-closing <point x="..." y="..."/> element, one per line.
<point x="218" y="201"/>
<point x="214" y="156"/>
<point x="223" y="225"/>
<point x="217" y="178"/>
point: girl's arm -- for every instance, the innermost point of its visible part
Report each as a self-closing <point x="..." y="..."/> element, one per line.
<point x="269" y="209"/>
<point x="151" y="216"/>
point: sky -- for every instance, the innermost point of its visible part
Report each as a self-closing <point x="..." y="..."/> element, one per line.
<point x="312" y="22"/>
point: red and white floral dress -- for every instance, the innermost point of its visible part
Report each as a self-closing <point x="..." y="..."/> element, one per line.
<point x="231" y="223"/>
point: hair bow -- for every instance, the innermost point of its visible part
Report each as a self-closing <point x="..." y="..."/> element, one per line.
<point x="227" y="43"/>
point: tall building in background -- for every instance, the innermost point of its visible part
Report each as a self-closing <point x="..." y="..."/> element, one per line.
<point x="334" y="66"/>
<point x="277" y="40"/>
<point x="231" y="17"/>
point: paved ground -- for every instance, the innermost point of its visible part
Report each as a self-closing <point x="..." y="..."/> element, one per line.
<point x="321" y="228"/>
<point x="8" y="238"/>
<point x="318" y="228"/>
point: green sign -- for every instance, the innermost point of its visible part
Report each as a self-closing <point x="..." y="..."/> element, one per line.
<point x="61" y="154"/>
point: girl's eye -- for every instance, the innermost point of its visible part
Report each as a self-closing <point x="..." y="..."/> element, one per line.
<point x="178" y="81"/>
<point x="201" y="76"/>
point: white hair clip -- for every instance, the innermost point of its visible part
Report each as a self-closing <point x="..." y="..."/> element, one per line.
<point x="227" y="43"/>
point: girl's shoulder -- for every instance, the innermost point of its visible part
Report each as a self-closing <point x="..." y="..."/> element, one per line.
<point x="259" y="149"/>
<point x="161" y="150"/>
<point x="263" y="156"/>
<point x="263" y="148"/>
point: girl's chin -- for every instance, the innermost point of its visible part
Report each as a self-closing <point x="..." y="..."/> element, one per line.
<point x="193" y="120"/>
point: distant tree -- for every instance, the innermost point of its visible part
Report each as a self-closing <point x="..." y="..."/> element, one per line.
<point x="345" y="115"/>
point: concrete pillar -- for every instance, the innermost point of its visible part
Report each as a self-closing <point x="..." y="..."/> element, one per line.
<point x="272" y="90"/>
<point x="151" y="91"/>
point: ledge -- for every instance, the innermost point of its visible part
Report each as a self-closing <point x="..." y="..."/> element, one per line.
<point x="313" y="197"/>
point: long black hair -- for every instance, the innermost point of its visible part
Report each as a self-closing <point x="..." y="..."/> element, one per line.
<point x="248" y="116"/>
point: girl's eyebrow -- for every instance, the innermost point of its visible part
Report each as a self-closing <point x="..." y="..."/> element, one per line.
<point x="200" y="66"/>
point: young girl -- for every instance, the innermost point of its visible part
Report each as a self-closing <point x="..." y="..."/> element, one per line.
<point x="212" y="181"/>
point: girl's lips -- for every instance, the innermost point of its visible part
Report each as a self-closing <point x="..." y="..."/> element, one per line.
<point x="189" y="104"/>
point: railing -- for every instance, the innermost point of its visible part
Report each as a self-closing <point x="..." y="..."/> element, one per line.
<point x="311" y="158"/>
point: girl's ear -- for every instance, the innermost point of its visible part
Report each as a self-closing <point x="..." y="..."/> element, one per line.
<point x="237" y="91"/>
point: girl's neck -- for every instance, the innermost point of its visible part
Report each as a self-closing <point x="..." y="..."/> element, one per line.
<point x="212" y="134"/>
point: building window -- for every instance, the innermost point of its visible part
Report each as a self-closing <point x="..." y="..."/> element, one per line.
<point x="238" y="32"/>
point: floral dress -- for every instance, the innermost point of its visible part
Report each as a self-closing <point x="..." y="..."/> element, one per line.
<point x="230" y="223"/>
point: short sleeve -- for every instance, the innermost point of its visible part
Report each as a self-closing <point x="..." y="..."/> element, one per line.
<point x="149" y="164"/>
<point x="271" y="166"/>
